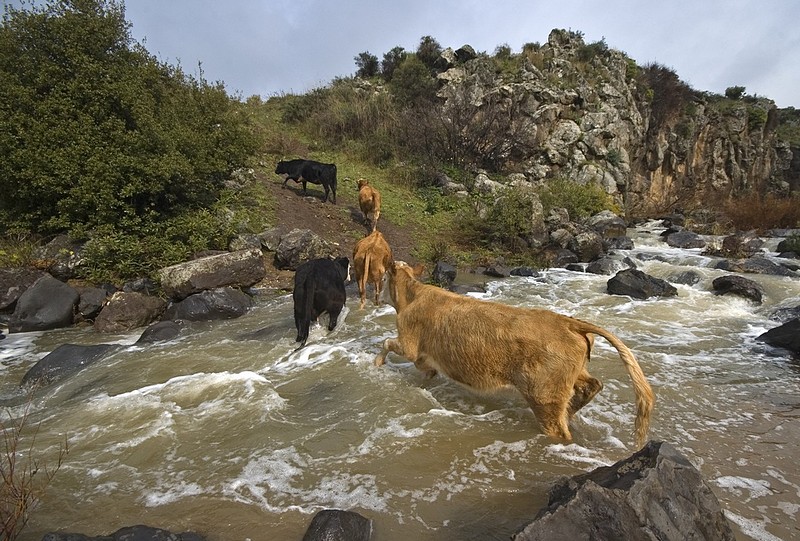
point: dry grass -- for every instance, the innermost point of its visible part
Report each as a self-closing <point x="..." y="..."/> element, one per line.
<point x="763" y="212"/>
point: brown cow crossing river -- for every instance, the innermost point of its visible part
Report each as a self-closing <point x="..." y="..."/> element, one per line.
<point x="230" y="432"/>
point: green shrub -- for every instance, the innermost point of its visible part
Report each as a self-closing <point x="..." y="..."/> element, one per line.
<point x="412" y="82"/>
<point x="580" y="200"/>
<point x="95" y="131"/>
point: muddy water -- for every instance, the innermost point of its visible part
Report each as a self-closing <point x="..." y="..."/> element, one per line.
<point x="231" y="433"/>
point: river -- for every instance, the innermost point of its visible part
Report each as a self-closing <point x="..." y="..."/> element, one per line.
<point x="230" y="432"/>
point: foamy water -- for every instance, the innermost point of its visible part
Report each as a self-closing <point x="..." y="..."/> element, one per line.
<point x="233" y="433"/>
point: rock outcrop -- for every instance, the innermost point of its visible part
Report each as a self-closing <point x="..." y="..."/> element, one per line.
<point x="654" y="494"/>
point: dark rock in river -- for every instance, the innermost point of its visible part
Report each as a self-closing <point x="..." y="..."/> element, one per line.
<point x="654" y="494"/>
<point x="130" y="533"/>
<point x="685" y="239"/>
<point x="222" y="303"/>
<point x="160" y="332"/>
<point x="63" y="361"/>
<point x="755" y="265"/>
<point x="337" y="525"/>
<point x="637" y="284"/>
<point x="738" y="285"/>
<point x="787" y="336"/>
<point x="47" y="304"/>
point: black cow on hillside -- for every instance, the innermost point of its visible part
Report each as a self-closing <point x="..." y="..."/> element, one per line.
<point x="309" y="171"/>
<point x="318" y="288"/>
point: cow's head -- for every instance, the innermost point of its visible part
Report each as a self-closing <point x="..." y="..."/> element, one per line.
<point x="397" y="281"/>
<point x="361" y="183"/>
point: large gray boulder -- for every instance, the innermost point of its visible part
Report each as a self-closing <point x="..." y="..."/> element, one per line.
<point x="125" y="311"/>
<point x="236" y="269"/>
<point x="220" y="303"/>
<point x="654" y="494"/>
<point x="338" y="525"/>
<point x="63" y="361"/>
<point x="47" y="304"/>
<point x="301" y="245"/>
<point x="639" y="285"/>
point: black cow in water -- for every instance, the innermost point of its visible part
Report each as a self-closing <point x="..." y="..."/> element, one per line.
<point x="318" y="288"/>
<point x="309" y="171"/>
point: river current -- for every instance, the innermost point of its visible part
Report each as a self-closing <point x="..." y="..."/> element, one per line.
<point x="230" y="432"/>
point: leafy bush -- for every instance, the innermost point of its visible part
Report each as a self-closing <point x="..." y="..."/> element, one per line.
<point x="412" y="82"/>
<point x="580" y="200"/>
<point x="734" y="92"/>
<point x="95" y="131"/>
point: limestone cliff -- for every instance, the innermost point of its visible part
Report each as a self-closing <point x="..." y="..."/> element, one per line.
<point x="591" y="114"/>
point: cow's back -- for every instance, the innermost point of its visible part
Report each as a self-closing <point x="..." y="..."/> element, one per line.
<point x="482" y="344"/>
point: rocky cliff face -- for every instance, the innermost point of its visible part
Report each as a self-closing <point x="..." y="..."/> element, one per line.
<point x="590" y="114"/>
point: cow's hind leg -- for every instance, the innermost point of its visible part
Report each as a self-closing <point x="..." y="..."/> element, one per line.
<point x="548" y="395"/>
<point x="586" y="388"/>
<point x="334" y="313"/>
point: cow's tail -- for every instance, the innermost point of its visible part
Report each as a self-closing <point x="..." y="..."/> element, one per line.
<point x="364" y="279"/>
<point x="644" y="394"/>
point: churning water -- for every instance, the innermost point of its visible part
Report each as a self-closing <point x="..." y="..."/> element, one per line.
<point x="232" y="433"/>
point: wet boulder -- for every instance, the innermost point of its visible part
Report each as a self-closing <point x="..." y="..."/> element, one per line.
<point x="125" y="311"/>
<point x="738" y="285"/>
<point x="609" y="265"/>
<point x="63" y="361"/>
<point x="755" y="265"/>
<point x="338" y="525"/>
<point x="741" y="244"/>
<point x="685" y="239"/>
<point x="47" y="304"/>
<point x="654" y="494"/>
<point x="161" y="331"/>
<point x="236" y="269"/>
<point x="129" y="533"/>
<point x="559" y="257"/>
<point x="639" y="285"/>
<point x="786" y="336"/>
<point x="220" y="303"/>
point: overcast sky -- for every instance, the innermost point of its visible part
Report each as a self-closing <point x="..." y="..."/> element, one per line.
<point x="270" y="47"/>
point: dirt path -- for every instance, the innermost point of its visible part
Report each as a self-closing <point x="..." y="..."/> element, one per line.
<point x="341" y="224"/>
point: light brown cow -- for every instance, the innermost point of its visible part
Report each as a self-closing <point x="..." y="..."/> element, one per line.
<point x="487" y="346"/>
<point x="369" y="200"/>
<point x="371" y="257"/>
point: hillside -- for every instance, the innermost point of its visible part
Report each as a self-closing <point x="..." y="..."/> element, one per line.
<point x="340" y="224"/>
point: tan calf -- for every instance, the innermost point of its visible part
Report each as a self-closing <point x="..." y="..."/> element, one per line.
<point x="371" y="257"/>
<point x="488" y="346"/>
<point x="369" y="200"/>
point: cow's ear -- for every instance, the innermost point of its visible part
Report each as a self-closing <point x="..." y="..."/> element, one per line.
<point x="418" y="269"/>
